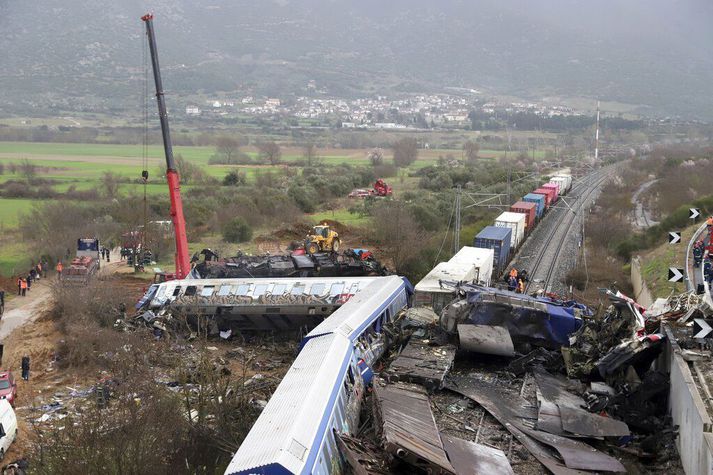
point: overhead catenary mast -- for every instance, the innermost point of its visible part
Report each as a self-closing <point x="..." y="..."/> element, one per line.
<point x="596" y="136"/>
<point x="174" y="187"/>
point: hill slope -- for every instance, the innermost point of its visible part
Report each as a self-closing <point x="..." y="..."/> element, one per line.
<point x="75" y="54"/>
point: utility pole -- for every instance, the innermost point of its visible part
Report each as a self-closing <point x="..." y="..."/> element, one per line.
<point x="596" y="136"/>
<point x="456" y="232"/>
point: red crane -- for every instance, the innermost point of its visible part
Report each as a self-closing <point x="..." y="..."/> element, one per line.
<point x="183" y="265"/>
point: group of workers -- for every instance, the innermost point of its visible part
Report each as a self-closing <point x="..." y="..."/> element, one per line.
<point x="37" y="271"/>
<point x="516" y="280"/>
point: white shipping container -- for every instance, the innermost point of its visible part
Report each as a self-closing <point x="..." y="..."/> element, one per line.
<point x="429" y="293"/>
<point x="514" y="221"/>
<point x="481" y="259"/>
<point x="561" y="182"/>
<point x="567" y="180"/>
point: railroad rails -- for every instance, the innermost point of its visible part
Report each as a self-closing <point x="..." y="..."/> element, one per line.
<point x="542" y="271"/>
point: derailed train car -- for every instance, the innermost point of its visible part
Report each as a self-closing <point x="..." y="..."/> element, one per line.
<point x="323" y="390"/>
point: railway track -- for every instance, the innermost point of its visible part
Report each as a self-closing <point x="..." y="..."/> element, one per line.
<point x="543" y="269"/>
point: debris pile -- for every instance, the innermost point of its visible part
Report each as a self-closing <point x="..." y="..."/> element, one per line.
<point x="491" y="386"/>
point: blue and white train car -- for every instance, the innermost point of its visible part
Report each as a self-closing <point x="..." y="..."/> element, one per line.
<point x="323" y="390"/>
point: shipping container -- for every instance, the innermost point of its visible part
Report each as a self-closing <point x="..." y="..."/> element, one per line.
<point x="561" y="182"/>
<point x="554" y="187"/>
<point x="516" y="222"/>
<point x="539" y="201"/>
<point x="480" y="259"/>
<point x="567" y="179"/>
<point x="548" y="193"/>
<point x="529" y="210"/>
<point x="430" y="293"/>
<point x="497" y="239"/>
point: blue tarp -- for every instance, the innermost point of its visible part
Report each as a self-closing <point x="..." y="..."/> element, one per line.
<point x="542" y="321"/>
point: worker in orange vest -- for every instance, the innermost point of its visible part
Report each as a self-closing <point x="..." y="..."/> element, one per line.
<point x="23" y="286"/>
<point x="59" y="269"/>
<point x="513" y="273"/>
<point x="520" y="286"/>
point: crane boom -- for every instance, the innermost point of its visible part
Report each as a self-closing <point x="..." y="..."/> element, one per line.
<point x="174" y="184"/>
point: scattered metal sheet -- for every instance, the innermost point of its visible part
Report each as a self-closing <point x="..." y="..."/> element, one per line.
<point x="508" y="409"/>
<point x="487" y="339"/>
<point x="548" y="417"/>
<point x="580" y="422"/>
<point x="361" y="456"/>
<point x="408" y="428"/>
<point x="601" y="388"/>
<point x="573" y="419"/>
<point x="504" y="414"/>
<point x="422" y="364"/>
<point x="469" y="458"/>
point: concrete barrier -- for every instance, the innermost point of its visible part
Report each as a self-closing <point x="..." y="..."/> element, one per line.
<point x="688" y="411"/>
<point x="642" y="294"/>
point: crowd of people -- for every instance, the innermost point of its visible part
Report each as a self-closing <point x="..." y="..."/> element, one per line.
<point x="37" y="271"/>
<point x="516" y="280"/>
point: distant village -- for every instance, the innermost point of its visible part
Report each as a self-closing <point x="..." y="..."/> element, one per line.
<point x="422" y="111"/>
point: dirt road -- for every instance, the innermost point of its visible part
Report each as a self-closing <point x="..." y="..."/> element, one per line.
<point x="21" y="310"/>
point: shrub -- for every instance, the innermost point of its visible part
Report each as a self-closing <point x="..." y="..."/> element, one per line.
<point x="237" y="230"/>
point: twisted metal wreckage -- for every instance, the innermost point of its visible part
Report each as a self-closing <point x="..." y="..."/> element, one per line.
<point x="599" y="394"/>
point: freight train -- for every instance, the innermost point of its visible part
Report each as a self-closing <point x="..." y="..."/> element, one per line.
<point x="511" y="228"/>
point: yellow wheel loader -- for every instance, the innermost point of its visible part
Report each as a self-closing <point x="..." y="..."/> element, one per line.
<point x="322" y="239"/>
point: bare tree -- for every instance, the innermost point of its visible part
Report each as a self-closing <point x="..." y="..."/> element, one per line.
<point x="394" y="225"/>
<point x="310" y="155"/>
<point x="376" y="157"/>
<point x="27" y="169"/>
<point x="227" y="147"/>
<point x="270" y="152"/>
<point x="405" y="152"/>
<point x="470" y="150"/>
<point x="110" y="182"/>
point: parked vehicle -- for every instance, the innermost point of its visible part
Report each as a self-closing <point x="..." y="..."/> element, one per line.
<point x="381" y="189"/>
<point x="8" y="427"/>
<point x="86" y="263"/>
<point x="359" y="193"/>
<point x="8" y="387"/>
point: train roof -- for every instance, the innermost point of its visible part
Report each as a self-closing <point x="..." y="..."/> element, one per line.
<point x="255" y="287"/>
<point x="352" y="317"/>
<point x="286" y="437"/>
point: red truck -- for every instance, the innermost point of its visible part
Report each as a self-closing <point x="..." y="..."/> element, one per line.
<point x="380" y="189"/>
<point x="86" y="263"/>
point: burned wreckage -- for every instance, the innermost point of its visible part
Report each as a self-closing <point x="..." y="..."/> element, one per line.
<point x="497" y="380"/>
<point x="348" y="263"/>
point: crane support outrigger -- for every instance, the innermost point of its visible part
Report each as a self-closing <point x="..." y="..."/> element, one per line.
<point x="174" y="186"/>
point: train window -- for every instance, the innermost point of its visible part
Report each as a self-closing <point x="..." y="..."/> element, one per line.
<point x="350" y="375"/>
<point x="159" y="293"/>
<point x="336" y="289"/>
<point x="224" y="290"/>
<point x="259" y="290"/>
<point x="298" y="289"/>
<point x="190" y="290"/>
<point x="176" y="291"/>
<point x="243" y="289"/>
<point x="326" y="460"/>
<point x="207" y="291"/>
<point x="317" y="289"/>
<point x="279" y="289"/>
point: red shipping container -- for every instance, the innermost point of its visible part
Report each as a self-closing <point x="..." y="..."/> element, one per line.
<point x="527" y="208"/>
<point x="549" y="194"/>
<point x="555" y="187"/>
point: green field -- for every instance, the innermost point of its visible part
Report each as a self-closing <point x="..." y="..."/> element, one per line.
<point x="10" y="210"/>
